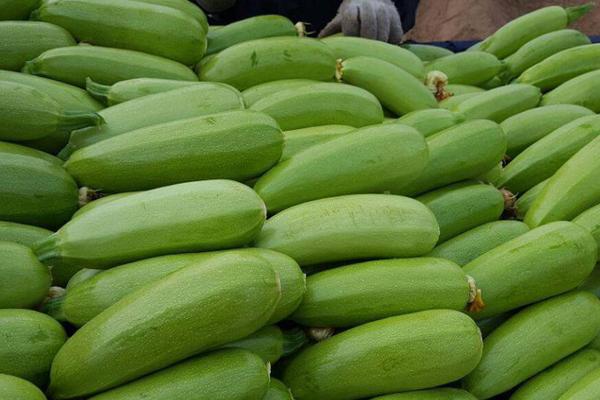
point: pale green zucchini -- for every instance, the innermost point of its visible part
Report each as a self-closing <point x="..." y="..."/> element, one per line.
<point x="369" y="160"/>
<point x="278" y="391"/>
<point x="14" y="388"/>
<point x="587" y="388"/>
<point x="532" y="340"/>
<point x="26" y="235"/>
<point x="431" y="121"/>
<point x="452" y="102"/>
<point x="590" y="219"/>
<point x="298" y="140"/>
<point x="17" y="9"/>
<point x="182" y="5"/>
<point x="492" y="176"/>
<point x="80" y="277"/>
<point x="458" y="89"/>
<point x="431" y="394"/>
<point x="492" y="83"/>
<point x="488" y="325"/>
<point x="88" y="200"/>
<point x="592" y="283"/>
<point x="427" y="52"/>
<point x="104" y="65"/>
<point x="259" y="92"/>
<point x="525" y="201"/>
<point x="582" y="90"/>
<point x="131" y="89"/>
<point x="467" y="68"/>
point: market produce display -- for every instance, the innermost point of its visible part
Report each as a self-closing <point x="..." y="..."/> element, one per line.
<point x="244" y="212"/>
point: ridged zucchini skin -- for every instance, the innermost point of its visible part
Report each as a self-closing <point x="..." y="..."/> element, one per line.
<point x="467" y="68"/>
<point x="561" y="67"/>
<point x="402" y="353"/>
<point x="231" y="374"/>
<point x="106" y="353"/>
<point x="431" y="394"/>
<point x="554" y="381"/>
<point x="509" y="38"/>
<point x="574" y="188"/>
<point x="525" y="201"/>
<point x="355" y="294"/>
<point x="541" y="263"/>
<point x="524" y="129"/>
<point x="500" y="103"/>
<point x="540" y="48"/>
<point x="543" y="158"/>
<point x="259" y="92"/>
<point x="461" y="152"/>
<point x="131" y="89"/>
<point x="345" y="47"/>
<point x="321" y="104"/>
<point x="590" y="219"/>
<point x="34" y="188"/>
<point x="350" y="228"/>
<point x="16" y="9"/>
<point x="369" y="160"/>
<point x="451" y="103"/>
<point x="267" y="343"/>
<point x="463" y="206"/>
<point x="104" y="65"/>
<point x="431" y="121"/>
<point x="237" y="145"/>
<point x="30" y="340"/>
<point x="259" y="27"/>
<point x="581" y="90"/>
<point x="15" y="388"/>
<point x="532" y="340"/>
<point x="458" y="89"/>
<point x="133" y="227"/>
<point x="298" y="140"/>
<point x="278" y="391"/>
<point x="179" y="104"/>
<point x="585" y="389"/>
<point x="23" y="234"/>
<point x="473" y="243"/>
<point x="148" y="28"/>
<point x="25" y="282"/>
<point x="427" y="52"/>
<point x="184" y="6"/>
<point x="258" y="61"/>
<point x="25" y="40"/>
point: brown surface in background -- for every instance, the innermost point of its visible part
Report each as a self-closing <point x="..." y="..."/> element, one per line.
<point x="441" y="20"/>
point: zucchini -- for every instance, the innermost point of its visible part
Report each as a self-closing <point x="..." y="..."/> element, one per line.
<point x="431" y="121"/>
<point x="15" y="388"/>
<point x="25" y="282"/>
<point x="585" y="389"/>
<point x="259" y="92"/>
<point x="278" y="391"/>
<point x="581" y="90"/>
<point x="471" y="244"/>
<point x="345" y="47"/>
<point x="572" y="189"/>
<point x="80" y="277"/>
<point x="131" y="89"/>
<point x="543" y="158"/>
<point x="194" y="101"/>
<point x="402" y="353"/>
<point x="298" y="140"/>
<point x="368" y="160"/>
<point x="187" y="324"/>
<point x="226" y="374"/>
<point x="217" y="146"/>
<point x="427" y="52"/>
<point x="431" y="394"/>
<point x="500" y="103"/>
<point x="350" y="228"/>
<point x="532" y="340"/>
<point x="267" y="343"/>
<point x="458" y="89"/>
<point x="16" y="9"/>
<point x="104" y="65"/>
<point x="26" y="235"/>
<point x="29" y="342"/>
<point x="25" y="40"/>
<point x="492" y="176"/>
<point x="355" y="294"/>
<point x="590" y="219"/>
<point x="148" y="28"/>
<point x="34" y="188"/>
<point x="554" y="381"/>
<point x="133" y="227"/>
<point x="524" y="202"/>
<point x="541" y="263"/>
<point x="184" y="6"/>
<point x="452" y="102"/>
<point x="321" y="104"/>
<point x="461" y="152"/>
<point x="467" y="68"/>
<point x="258" y="61"/>
<point x="524" y="129"/>
<point x="488" y="325"/>
<point x="90" y="202"/>
<point x="463" y="206"/>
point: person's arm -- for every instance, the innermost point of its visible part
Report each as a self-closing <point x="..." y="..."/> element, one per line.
<point x="214" y="6"/>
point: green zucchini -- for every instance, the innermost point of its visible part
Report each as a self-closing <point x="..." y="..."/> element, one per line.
<point x="452" y="102"/>
<point x="350" y="228"/>
<point x="431" y="121"/>
<point x="216" y="146"/>
<point x="524" y="202"/>
<point x="29" y="342"/>
<point x="369" y="160"/>
<point x="471" y="244"/>
<point x="488" y="325"/>
<point x="500" y="103"/>
<point x="532" y="340"/>
<point x="595" y="343"/>
<point x="196" y="216"/>
<point x="26" y="235"/>
<point x="104" y="65"/>
<point x="215" y="305"/>
<point x="231" y="374"/>
<point x="298" y="140"/>
<point x="524" y="129"/>
<point x="321" y="104"/>
<point x="427" y="52"/>
<point x="359" y="293"/>
<point x="458" y="89"/>
<point x="541" y="263"/>
<point x="17" y="9"/>
<point x="590" y="219"/>
<point x="25" y="282"/>
<point x="587" y="388"/>
<point x="259" y="27"/>
<point x="431" y="394"/>
<point x="554" y="381"/>
<point x="34" y="188"/>
<point x="15" y="388"/>
<point x="258" y="61"/>
<point x="25" y="40"/>
<point x="461" y="152"/>
<point x="131" y="89"/>
<point x="581" y="90"/>
<point x="179" y="104"/>
<point x="259" y="92"/>
<point x="182" y="5"/>
<point x="278" y="391"/>
<point x="267" y="343"/>
<point x="463" y="206"/>
<point x="133" y="25"/>
<point x="81" y="276"/>
<point x="543" y="158"/>
<point x="90" y="202"/>
<point x="402" y="353"/>
<point x="345" y="47"/>
<point x="492" y="176"/>
<point x="493" y="83"/>
<point x="574" y="188"/>
<point x="467" y="68"/>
